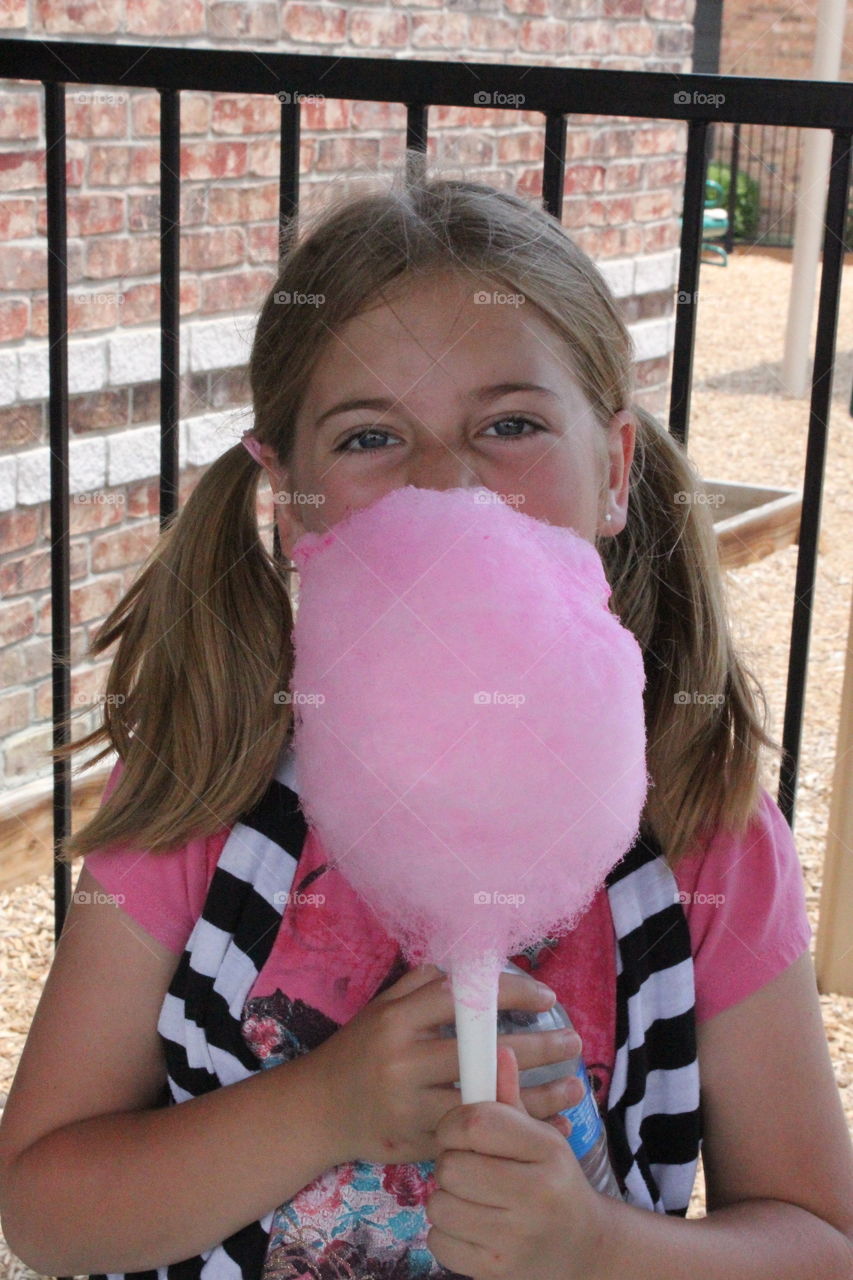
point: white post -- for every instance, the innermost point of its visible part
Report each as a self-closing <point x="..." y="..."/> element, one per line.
<point x="811" y="205"/>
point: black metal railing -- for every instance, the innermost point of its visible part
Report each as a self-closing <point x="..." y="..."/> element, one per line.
<point x="700" y="100"/>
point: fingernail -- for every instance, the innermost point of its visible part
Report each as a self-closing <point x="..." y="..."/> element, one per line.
<point x="546" y="992"/>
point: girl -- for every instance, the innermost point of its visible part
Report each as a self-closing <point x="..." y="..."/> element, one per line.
<point x="439" y="334"/>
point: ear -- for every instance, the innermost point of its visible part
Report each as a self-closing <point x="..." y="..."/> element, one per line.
<point x="290" y="527"/>
<point x="620" y="435"/>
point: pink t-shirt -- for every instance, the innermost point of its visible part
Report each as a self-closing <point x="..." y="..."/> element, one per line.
<point x="743" y="898"/>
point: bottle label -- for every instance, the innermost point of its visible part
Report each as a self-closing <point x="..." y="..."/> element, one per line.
<point x="585" y="1120"/>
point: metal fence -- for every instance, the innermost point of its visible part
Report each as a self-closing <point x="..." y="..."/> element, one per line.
<point x="701" y="100"/>
<point x="764" y="162"/>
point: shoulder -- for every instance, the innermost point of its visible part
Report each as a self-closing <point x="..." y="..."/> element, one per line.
<point x="162" y="892"/>
<point x="744" y="899"/>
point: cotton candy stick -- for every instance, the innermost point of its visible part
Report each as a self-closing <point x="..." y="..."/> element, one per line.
<point x="469" y="734"/>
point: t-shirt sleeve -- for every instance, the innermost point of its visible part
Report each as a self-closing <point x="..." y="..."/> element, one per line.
<point x="163" y="892"/>
<point x="745" y="903"/>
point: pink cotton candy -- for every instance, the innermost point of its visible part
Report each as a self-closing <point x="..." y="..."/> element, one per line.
<point x="473" y="825"/>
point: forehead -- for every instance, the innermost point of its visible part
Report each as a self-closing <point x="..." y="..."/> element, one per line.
<point x="445" y="326"/>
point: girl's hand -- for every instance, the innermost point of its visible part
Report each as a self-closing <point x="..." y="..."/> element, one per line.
<point x="388" y="1077"/>
<point x="512" y="1199"/>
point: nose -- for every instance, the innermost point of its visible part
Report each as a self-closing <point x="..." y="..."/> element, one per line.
<point x="438" y="466"/>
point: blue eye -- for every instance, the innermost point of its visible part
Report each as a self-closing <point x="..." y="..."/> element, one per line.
<point x="515" y="418"/>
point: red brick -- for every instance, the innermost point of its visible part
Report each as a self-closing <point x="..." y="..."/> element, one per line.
<point x="87" y="689"/>
<point x="658" y="140"/>
<point x="238" y="291"/>
<point x="109" y="166"/>
<point x="19" y="118"/>
<point x="96" y="114"/>
<point x="145" y="114"/>
<point x="623" y="177"/>
<point x="77" y="16"/>
<point x="14" y="319"/>
<point x="130" y="255"/>
<point x="257" y="203"/>
<point x="486" y="32"/>
<point x="17" y="218"/>
<point x="84" y="515"/>
<point x="93" y="215"/>
<point x="15" y="711"/>
<point x="145" y="166"/>
<point x="382" y="30"/>
<point x="620" y="209"/>
<point x="21" y="170"/>
<point x="326" y="113"/>
<point x="546" y="36"/>
<point x="22" y="268"/>
<point x="231" y="21"/>
<point x="652" y="205"/>
<point x="204" y="250"/>
<point x="22" y="424"/>
<point x="18" y="528"/>
<point x="143" y="212"/>
<point x="379" y="115"/>
<point x="13" y="14"/>
<point x="469" y="149"/>
<point x="244" y="113"/>
<point x="591" y="37"/>
<point x="86" y="311"/>
<point x="190" y="294"/>
<point x="95" y="599"/>
<point x="141" y="304"/>
<point x="143" y="499"/>
<point x="263" y="243"/>
<point x="33" y="572"/>
<point x="539" y="8"/>
<point x="123" y="547"/>
<point x="439" y="30"/>
<point x="17" y="621"/>
<point x="633" y="37"/>
<point x="314" y="24"/>
<point x="204" y="160"/>
<point x="348" y="153"/>
<point x="162" y="18"/>
<point x="662" y="173"/>
<point x="584" y="177"/>
<point x="660" y="236"/>
<point x="98" y="410"/>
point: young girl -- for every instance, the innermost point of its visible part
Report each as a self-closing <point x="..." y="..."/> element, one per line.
<point x="440" y="335"/>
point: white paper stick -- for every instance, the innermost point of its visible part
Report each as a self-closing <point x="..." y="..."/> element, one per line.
<point x="476" y="1038"/>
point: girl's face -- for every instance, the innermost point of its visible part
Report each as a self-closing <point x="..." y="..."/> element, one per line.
<point x="426" y="391"/>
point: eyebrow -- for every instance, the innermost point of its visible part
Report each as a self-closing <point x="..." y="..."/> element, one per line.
<point x="481" y="394"/>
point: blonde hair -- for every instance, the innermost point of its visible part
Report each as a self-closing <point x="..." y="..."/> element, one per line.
<point x="204" y="633"/>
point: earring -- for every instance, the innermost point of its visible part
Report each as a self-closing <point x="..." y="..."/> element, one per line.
<point x="608" y="518"/>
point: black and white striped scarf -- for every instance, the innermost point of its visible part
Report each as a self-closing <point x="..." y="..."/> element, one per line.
<point x="652" y="1119"/>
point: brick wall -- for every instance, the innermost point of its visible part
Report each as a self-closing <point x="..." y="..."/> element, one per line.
<point x="623" y="184"/>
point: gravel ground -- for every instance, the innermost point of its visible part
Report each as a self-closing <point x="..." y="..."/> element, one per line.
<point x="742" y="428"/>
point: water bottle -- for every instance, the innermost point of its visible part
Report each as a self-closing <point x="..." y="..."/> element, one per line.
<point x="588" y="1138"/>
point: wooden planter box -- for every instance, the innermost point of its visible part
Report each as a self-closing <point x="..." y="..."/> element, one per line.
<point x="752" y="520"/>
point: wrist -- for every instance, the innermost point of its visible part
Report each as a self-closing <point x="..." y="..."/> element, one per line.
<point x="325" y="1102"/>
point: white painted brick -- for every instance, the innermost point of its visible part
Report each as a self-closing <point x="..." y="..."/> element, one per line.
<point x="652" y="338"/>
<point x="8" y="377"/>
<point x="88" y="464"/>
<point x="656" y="271"/>
<point x="8" y="479"/>
<point x="210" y="434"/>
<point x="33" y="383"/>
<point x="619" y="274"/>
<point x="133" y="455"/>
<point x="33" y="476"/>
<point x="87" y="365"/>
<point x="221" y="343"/>
<point x="134" y="356"/>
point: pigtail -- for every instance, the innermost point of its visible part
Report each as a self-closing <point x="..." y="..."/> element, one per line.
<point x="702" y="718"/>
<point x="204" y="645"/>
